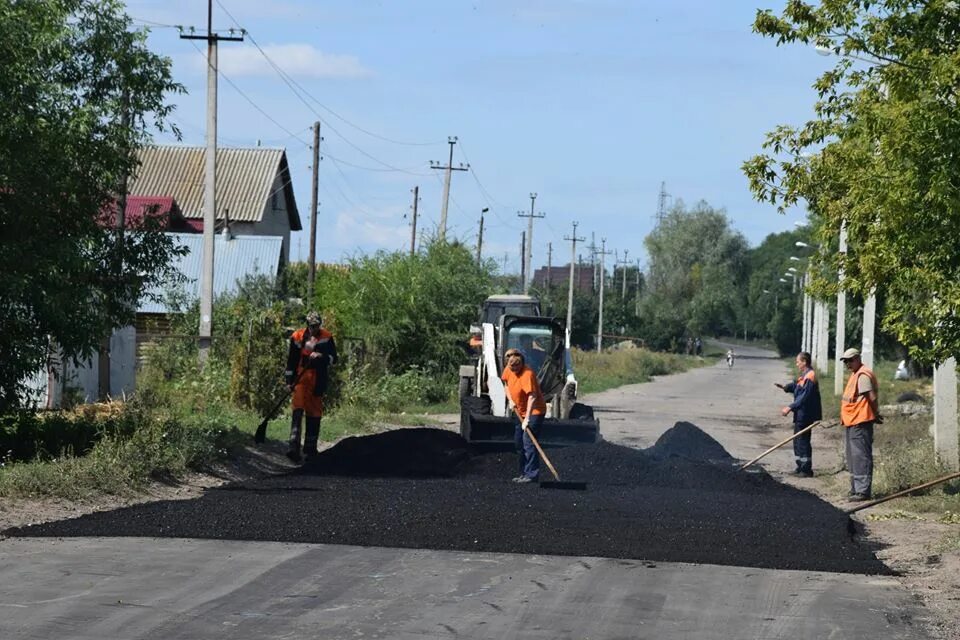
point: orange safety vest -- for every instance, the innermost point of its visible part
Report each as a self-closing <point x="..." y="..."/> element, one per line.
<point x="855" y="408"/>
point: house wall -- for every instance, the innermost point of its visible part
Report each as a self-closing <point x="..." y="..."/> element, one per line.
<point x="85" y="379"/>
<point x="275" y="220"/>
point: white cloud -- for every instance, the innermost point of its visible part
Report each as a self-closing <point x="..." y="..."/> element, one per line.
<point x="381" y="232"/>
<point x="298" y="60"/>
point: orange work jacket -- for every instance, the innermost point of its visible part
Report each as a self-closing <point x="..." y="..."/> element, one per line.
<point x="854" y="407"/>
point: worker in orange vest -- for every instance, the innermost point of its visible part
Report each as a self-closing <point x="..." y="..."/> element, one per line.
<point x="527" y="402"/>
<point x="859" y="411"/>
<point x="310" y="353"/>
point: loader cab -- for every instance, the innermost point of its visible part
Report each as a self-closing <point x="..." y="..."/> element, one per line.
<point x="495" y="307"/>
<point x="541" y="340"/>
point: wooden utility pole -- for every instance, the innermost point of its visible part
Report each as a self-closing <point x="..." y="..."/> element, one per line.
<point x="529" y="245"/>
<point x="603" y="253"/>
<point x="312" y="273"/>
<point x="449" y="169"/>
<point x="209" y="184"/>
<point x="573" y="260"/>
<point x="480" y="235"/>
<point x="413" y="229"/>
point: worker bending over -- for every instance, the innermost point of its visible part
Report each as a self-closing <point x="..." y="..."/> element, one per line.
<point x="526" y="400"/>
<point x="310" y="354"/>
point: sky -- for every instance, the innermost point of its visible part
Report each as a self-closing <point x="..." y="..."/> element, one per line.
<point x="590" y="104"/>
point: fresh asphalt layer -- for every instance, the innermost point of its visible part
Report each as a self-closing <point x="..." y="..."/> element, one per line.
<point x="188" y="588"/>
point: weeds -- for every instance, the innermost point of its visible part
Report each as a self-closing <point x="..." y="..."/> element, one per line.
<point x="609" y="369"/>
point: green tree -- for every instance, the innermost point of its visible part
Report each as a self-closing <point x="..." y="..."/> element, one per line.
<point x="79" y="92"/>
<point x="881" y="156"/>
<point x="694" y="284"/>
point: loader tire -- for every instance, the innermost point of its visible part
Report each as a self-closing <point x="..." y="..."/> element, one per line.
<point x="466" y="388"/>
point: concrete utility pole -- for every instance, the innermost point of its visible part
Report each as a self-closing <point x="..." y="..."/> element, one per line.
<point x="838" y="367"/>
<point x="413" y="229"/>
<point x="573" y="260"/>
<point x="210" y="183"/>
<point x="529" y="251"/>
<point x="945" y="440"/>
<point x="523" y="260"/>
<point x="451" y="140"/>
<point x="603" y="253"/>
<point x="636" y="299"/>
<point x="869" y="324"/>
<point x="312" y="273"/>
<point x="480" y="235"/>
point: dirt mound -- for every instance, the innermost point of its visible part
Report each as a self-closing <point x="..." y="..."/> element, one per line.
<point x="403" y="453"/>
<point x="684" y="440"/>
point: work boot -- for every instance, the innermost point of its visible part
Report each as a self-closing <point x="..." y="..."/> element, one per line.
<point x="294" y="453"/>
<point x="311" y="438"/>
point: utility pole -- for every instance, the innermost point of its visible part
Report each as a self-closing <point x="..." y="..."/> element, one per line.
<point x="636" y="298"/>
<point x="573" y="259"/>
<point x="838" y="367"/>
<point x="506" y="257"/>
<point x="529" y="247"/>
<point x="451" y="140"/>
<point x="593" y="260"/>
<point x="413" y="230"/>
<point x="603" y="253"/>
<point x="311" y="278"/>
<point x="523" y="261"/>
<point x="480" y="235"/>
<point x="210" y="180"/>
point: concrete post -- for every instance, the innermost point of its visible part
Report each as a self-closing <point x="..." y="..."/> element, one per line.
<point x="945" y="435"/>
<point x="869" y="322"/>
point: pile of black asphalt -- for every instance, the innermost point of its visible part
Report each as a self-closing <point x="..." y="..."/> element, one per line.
<point x="682" y="500"/>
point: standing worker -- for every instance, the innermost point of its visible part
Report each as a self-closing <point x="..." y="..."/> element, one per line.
<point x="526" y="400"/>
<point x="310" y="354"/>
<point x="859" y="411"/>
<point x="806" y="408"/>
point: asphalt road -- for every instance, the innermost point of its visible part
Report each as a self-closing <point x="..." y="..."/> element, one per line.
<point x="89" y="588"/>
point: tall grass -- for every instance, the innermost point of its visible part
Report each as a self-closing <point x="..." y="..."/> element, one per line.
<point x="609" y="369"/>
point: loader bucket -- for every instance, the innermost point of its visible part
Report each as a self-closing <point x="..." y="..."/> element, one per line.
<point x="491" y="431"/>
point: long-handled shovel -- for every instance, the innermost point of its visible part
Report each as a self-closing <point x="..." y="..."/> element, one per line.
<point x="261" y="434"/>
<point x="779" y="444"/>
<point x="559" y="484"/>
<point x="873" y="503"/>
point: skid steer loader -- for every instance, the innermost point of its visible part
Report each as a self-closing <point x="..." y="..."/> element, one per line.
<point x="484" y="415"/>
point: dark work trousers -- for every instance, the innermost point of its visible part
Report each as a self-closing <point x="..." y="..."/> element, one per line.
<point x="859" y="441"/>
<point x="529" y="459"/>
<point x="802" y="450"/>
<point x="295" y="421"/>
<point x="311" y="437"/>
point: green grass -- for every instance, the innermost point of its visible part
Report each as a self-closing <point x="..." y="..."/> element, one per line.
<point x="610" y="369"/>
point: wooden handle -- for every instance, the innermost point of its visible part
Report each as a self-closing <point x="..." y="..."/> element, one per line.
<point x="533" y="439"/>
<point x="779" y="444"/>
<point x="873" y="503"/>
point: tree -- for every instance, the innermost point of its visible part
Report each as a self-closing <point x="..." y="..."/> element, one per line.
<point x="882" y="157"/>
<point x="79" y="92"/>
<point x="697" y="268"/>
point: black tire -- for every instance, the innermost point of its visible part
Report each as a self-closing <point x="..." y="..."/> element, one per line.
<point x="466" y="387"/>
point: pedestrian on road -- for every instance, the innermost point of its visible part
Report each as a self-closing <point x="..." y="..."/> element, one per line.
<point x="310" y="353"/>
<point x="526" y="400"/>
<point x="806" y="408"/>
<point x="859" y="411"/>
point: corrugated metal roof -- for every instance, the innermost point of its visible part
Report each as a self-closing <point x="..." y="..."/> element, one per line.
<point x="234" y="260"/>
<point x="244" y="180"/>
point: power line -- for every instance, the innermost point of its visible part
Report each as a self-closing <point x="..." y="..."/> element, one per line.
<point x="323" y="106"/>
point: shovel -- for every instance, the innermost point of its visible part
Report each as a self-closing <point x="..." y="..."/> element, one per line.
<point x="559" y="484"/>
<point x="779" y="444"/>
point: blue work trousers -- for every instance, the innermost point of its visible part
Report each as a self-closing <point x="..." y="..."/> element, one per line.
<point x="802" y="449"/>
<point x="529" y="459"/>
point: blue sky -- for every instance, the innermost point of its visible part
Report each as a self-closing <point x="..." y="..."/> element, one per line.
<point x="589" y="103"/>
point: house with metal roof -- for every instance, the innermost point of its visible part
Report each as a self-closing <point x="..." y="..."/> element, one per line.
<point x="254" y="189"/>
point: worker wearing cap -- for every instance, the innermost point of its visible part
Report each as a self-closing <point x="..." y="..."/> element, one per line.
<point x="310" y="353"/>
<point x="526" y="400"/>
<point x="859" y="411"/>
<point x="806" y="408"/>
